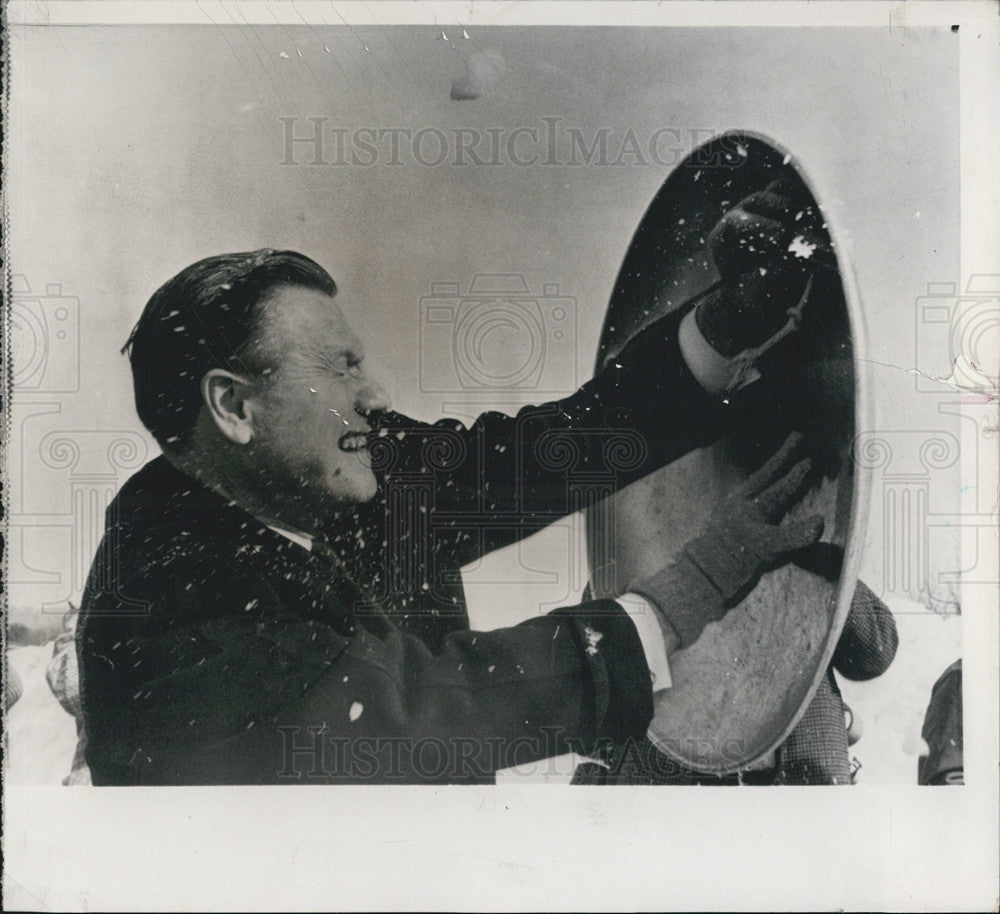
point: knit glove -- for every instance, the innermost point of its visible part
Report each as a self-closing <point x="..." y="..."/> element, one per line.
<point x="743" y="539"/>
<point x="761" y="248"/>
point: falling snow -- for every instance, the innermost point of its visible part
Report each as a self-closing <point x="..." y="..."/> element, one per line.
<point x="801" y="248"/>
<point x="593" y="638"/>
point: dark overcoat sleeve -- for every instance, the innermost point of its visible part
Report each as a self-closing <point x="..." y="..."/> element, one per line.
<point x="227" y="676"/>
<point x="504" y="477"/>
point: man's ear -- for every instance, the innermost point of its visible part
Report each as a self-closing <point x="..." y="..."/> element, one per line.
<point x="225" y="394"/>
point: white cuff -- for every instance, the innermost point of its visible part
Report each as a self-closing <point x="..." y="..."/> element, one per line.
<point x="713" y="371"/>
<point x="718" y="374"/>
<point x="643" y="616"/>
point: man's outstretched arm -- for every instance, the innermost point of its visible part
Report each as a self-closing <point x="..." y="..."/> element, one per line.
<point x="505" y="477"/>
<point x="666" y="393"/>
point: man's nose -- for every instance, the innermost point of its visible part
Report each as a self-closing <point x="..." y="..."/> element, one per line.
<point x="371" y="398"/>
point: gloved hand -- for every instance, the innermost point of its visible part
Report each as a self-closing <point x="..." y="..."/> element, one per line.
<point x="761" y="248"/>
<point x="743" y="539"/>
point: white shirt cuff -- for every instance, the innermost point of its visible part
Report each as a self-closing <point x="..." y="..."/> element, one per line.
<point x="713" y="371"/>
<point x="643" y="616"/>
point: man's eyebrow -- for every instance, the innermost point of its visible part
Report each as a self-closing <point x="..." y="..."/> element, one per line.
<point x="351" y="352"/>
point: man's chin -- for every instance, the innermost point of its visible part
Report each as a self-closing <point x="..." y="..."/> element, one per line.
<point x="368" y="490"/>
<point x="360" y="486"/>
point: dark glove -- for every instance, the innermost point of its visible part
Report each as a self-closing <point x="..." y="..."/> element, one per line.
<point x="742" y="540"/>
<point x="761" y="248"/>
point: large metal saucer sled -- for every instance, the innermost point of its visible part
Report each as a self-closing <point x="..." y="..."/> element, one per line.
<point x="739" y="690"/>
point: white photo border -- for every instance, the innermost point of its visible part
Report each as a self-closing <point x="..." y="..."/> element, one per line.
<point x="526" y="846"/>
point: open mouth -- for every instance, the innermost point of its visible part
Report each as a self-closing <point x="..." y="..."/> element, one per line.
<point x="352" y="442"/>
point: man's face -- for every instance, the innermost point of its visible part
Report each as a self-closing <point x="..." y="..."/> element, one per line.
<point x="309" y="446"/>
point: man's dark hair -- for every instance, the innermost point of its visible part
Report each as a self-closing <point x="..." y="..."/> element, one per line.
<point x="207" y="316"/>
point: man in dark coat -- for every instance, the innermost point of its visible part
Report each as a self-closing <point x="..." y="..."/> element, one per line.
<point x="254" y="613"/>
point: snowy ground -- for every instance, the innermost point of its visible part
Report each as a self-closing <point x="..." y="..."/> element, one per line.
<point x="41" y="736"/>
